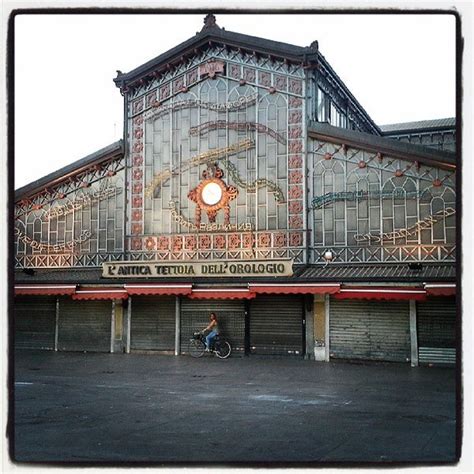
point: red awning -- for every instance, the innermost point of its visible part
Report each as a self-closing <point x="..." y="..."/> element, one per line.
<point x="98" y="293"/>
<point x="156" y="289"/>
<point x="295" y="288"/>
<point x="392" y="294"/>
<point x="45" y="289"/>
<point x="445" y="289"/>
<point x="221" y="294"/>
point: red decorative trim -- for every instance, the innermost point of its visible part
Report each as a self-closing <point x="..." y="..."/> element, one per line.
<point x="100" y="294"/>
<point x="46" y="290"/>
<point x="221" y="294"/>
<point x="388" y="294"/>
<point x="295" y="289"/>
<point x="446" y="289"/>
<point x="157" y="289"/>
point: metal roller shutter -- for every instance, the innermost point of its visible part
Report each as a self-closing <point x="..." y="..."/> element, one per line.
<point x="230" y="314"/>
<point x="370" y="330"/>
<point x="276" y="325"/>
<point x="35" y="322"/>
<point x="437" y="331"/>
<point x="84" y="325"/>
<point x="153" y="323"/>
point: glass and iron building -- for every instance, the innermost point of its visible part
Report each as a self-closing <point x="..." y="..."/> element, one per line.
<point x="249" y="182"/>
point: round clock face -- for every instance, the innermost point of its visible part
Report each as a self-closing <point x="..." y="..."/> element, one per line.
<point x="211" y="194"/>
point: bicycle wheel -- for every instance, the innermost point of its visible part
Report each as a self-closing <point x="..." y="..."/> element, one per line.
<point x="196" y="348"/>
<point x="223" y="350"/>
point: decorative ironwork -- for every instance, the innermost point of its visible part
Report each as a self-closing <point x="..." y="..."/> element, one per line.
<point x="212" y="194"/>
<point x="224" y="124"/>
<point x="426" y="223"/>
<point x="34" y="244"/>
<point x="202" y="158"/>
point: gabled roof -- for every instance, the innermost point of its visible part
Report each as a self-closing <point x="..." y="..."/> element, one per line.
<point x="110" y="151"/>
<point x="386" y="146"/>
<point x="422" y="125"/>
<point x="220" y="35"/>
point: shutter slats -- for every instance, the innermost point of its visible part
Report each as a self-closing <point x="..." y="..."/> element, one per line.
<point x="369" y="330"/>
<point x="153" y="323"/>
<point x="35" y="322"/>
<point x="437" y="330"/>
<point x="276" y="325"/>
<point x="84" y="325"/>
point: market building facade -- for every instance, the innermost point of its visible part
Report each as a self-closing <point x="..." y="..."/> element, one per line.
<point x="250" y="182"/>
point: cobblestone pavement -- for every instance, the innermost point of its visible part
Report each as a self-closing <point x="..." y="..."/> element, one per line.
<point x="78" y="407"/>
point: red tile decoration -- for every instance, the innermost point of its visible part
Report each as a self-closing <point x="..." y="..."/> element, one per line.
<point x="279" y="240"/>
<point x="264" y="78"/>
<point x="177" y="242"/>
<point x="249" y="74"/>
<point x="296" y="222"/>
<point x="219" y="241"/>
<point x="296" y="239"/>
<point x="264" y="240"/>
<point x="137" y="215"/>
<point x="280" y="83"/>
<point x="295" y="192"/>
<point x="164" y="91"/>
<point x="234" y="71"/>
<point x="234" y="241"/>
<point x="137" y="106"/>
<point x="137" y="188"/>
<point x="295" y="102"/>
<point x="295" y="177"/>
<point x="150" y="99"/>
<point x="137" y="121"/>
<point x="137" y="160"/>
<point x="137" y="174"/>
<point x="138" y="147"/>
<point x="137" y="201"/>
<point x="138" y="133"/>
<point x="136" y="244"/>
<point x="295" y="207"/>
<point x="205" y="241"/>
<point x="137" y="228"/>
<point x="295" y="116"/>
<point x="295" y="146"/>
<point x="190" y="242"/>
<point x="247" y="240"/>
<point x="295" y="161"/>
<point x="163" y="243"/>
<point x="191" y="77"/>
<point x="150" y="243"/>
<point x="295" y="86"/>
<point x="295" y="132"/>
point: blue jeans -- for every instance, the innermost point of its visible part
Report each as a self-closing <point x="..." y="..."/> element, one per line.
<point x="210" y="338"/>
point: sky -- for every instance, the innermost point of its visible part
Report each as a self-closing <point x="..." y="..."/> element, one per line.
<point x="400" y="68"/>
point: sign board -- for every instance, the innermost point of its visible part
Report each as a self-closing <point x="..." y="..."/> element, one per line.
<point x="251" y="268"/>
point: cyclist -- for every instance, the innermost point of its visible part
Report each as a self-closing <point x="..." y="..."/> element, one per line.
<point x="213" y="328"/>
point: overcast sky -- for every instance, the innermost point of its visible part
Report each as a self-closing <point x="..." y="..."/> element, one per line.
<point x="400" y="67"/>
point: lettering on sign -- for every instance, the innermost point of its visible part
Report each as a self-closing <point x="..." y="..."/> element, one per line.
<point x="252" y="268"/>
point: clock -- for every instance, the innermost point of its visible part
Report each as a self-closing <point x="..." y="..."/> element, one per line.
<point x="212" y="194"/>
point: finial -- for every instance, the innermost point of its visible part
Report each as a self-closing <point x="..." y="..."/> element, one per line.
<point x="209" y="22"/>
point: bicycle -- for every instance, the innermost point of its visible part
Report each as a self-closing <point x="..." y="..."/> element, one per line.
<point x="197" y="347"/>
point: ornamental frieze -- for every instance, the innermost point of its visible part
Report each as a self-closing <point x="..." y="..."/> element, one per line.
<point x="34" y="244"/>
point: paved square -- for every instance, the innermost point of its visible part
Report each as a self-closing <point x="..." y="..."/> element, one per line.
<point x="79" y="407"/>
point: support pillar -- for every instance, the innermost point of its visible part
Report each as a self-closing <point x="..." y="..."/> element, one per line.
<point x="327" y="302"/>
<point x="309" y="326"/>
<point x="56" y="329"/>
<point x="128" y="324"/>
<point x="112" y="328"/>
<point x="413" y="334"/>
<point x="319" y="325"/>
<point x="177" y="333"/>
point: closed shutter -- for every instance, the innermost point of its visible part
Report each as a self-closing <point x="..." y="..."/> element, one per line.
<point x="230" y="315"/>
<point x="371" y="330"/>
<point x="276" y="325"/>
<point x="437" y="330"/>
<point x="35" y="322"/>
<point x="84" y="325"/>
<point x="153" y="323"/>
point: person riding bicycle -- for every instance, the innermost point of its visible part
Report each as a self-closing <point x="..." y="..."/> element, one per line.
<point x="213" y="328"/>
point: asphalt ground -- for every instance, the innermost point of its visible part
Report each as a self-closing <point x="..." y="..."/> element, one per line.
<point x="94" y="408"/>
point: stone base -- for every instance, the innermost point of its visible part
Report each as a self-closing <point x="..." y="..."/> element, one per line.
<point x="320" y="354"/>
